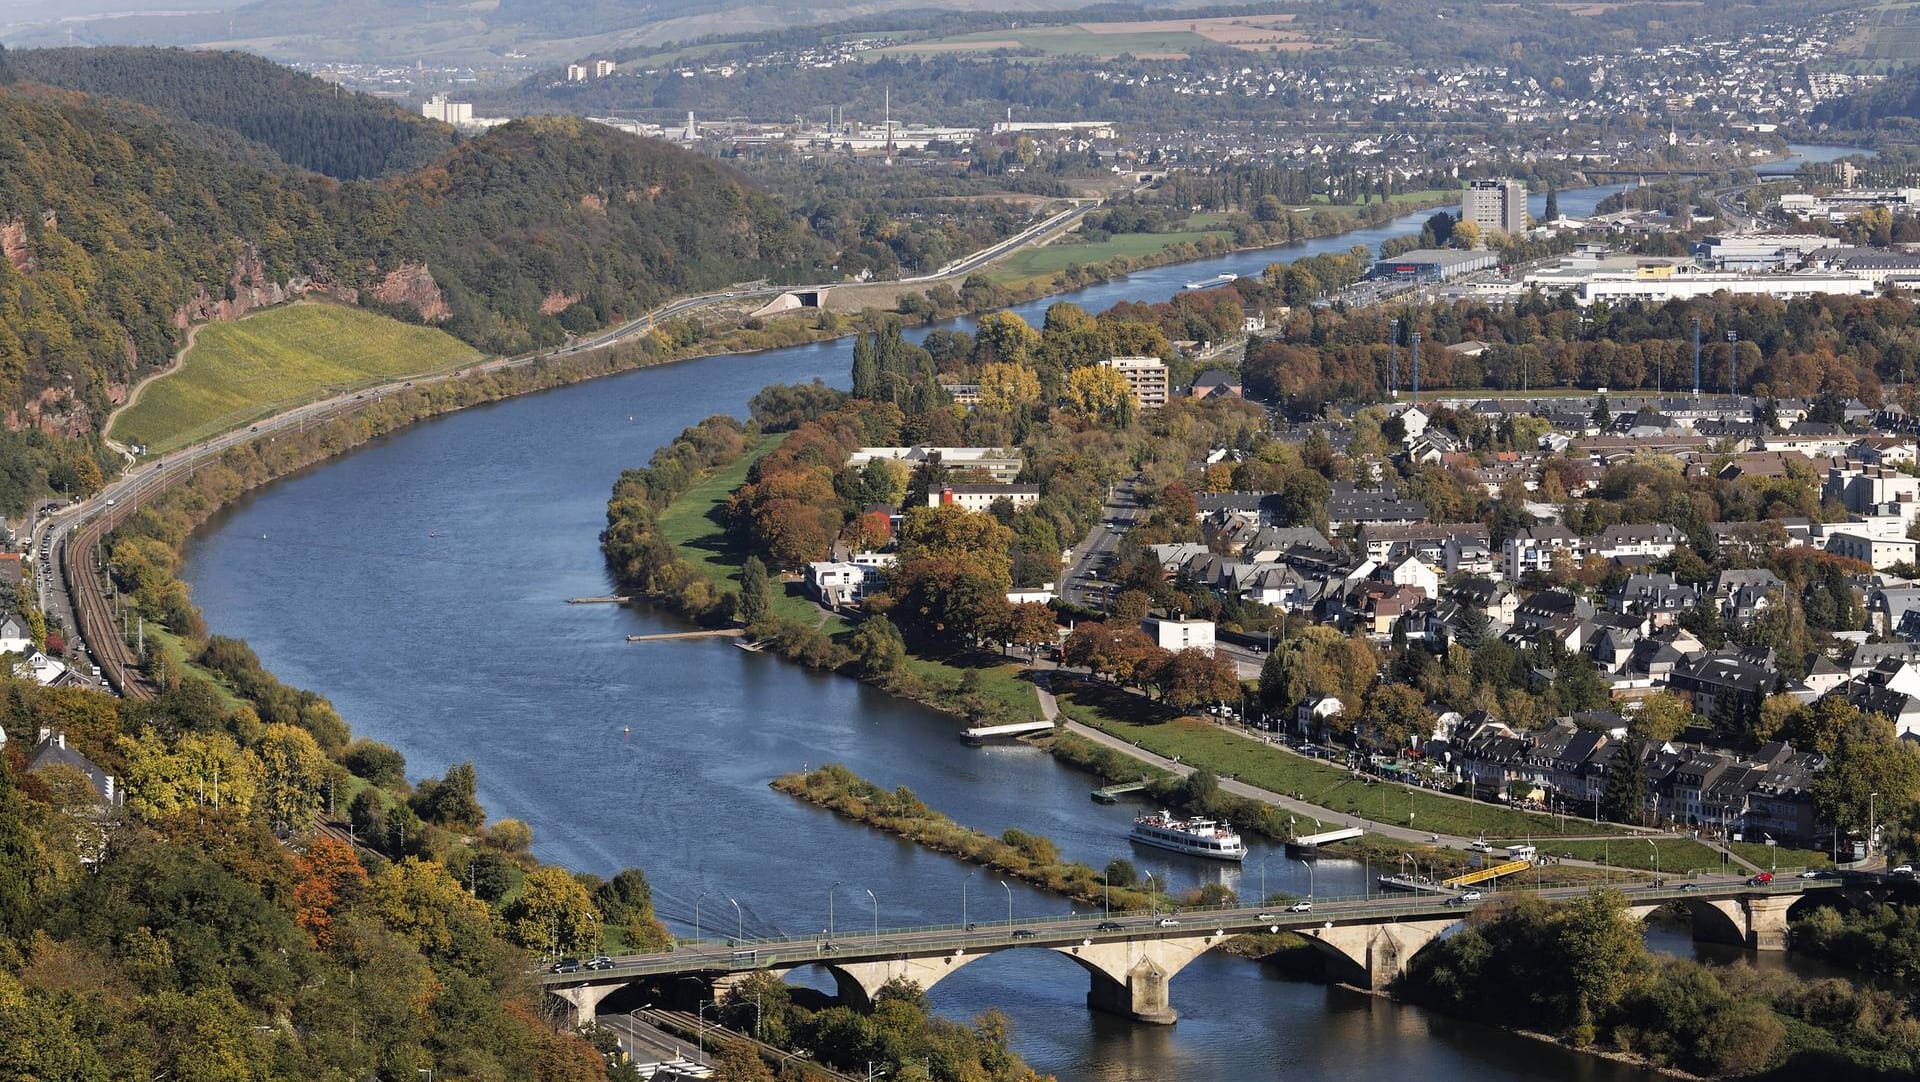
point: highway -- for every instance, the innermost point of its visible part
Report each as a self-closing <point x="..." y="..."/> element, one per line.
<point x="862" y="945"/>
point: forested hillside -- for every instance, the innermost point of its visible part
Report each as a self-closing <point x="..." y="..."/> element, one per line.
<point x="120" y="226"/>
<point x="303" y="120"/>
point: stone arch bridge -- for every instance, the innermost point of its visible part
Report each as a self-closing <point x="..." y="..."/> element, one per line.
<point x="1131" y="959"/>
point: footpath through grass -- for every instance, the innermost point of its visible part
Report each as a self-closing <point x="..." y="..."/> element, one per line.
<point x="240" y="372"/>
<point x="1201" y="744"/>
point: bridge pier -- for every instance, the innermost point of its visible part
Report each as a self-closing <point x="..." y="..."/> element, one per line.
<point x="1374" y="955"/>
<point x="583" y="1000"/>
<point x="1767" y="921"/>
<point x="1129" y="977"/>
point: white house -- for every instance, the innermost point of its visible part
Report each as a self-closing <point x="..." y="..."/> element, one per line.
<point x="1179" y="634"/>
<point x="1412" y="571"/>
<point x="835" y="583"/>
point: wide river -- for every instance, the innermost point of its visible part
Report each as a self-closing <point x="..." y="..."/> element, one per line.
<point x="420" y="582"/>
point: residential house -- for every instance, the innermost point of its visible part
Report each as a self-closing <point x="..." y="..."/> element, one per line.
<point x="15" y="636"/>
<point x="52" y="750"/>
<point x="1215" y="383"/>
<point x="1169" y="634"/>
<point x="1413" y="572"/>
<point x="1656" y="596"/>
<point x="1656" y="539"/>
<point x="835" y="583"/>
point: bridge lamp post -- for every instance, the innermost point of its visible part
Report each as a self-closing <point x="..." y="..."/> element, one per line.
<point x="1150" y="905"/>
<point x="876" y="913"/>
<point x="1309" y="867"/>
<point x="1871" y="797"/>
<point x="739" y="922"/>
<point x="1263" y="880"/>
<point x="964" y="923"/>
<point x="830" y="892"/>
<point x="1773" y="854"/>
<point x="1656" y="857"/>
<point x="701" y="897"/>
<point x="1009" y="890"/>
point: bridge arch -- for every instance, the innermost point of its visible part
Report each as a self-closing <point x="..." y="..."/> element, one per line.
<point x="1373" y="955"/>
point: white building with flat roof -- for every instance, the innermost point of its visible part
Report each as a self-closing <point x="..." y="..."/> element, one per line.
<point x="1179" y="634"/>
<point x="1146" y="375"/>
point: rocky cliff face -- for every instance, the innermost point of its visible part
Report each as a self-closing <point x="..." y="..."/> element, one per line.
<point x="55" y="411"/>
<point x="412" y="285"/>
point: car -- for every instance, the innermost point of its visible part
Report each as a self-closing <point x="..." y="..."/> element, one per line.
<point x="1023" y="933"/>
<point x="1108" y="926"/>
<point x="1470" y="895"/>
<point x="1268" y="917"/>
<point x="1455" y="900"/>
<point x="568" y="965"/>
<point x="1302" y="906"/>
<point x="599" y="961"/>
<point x="1760" y="880"/>
<point x="1810" y="874"/>
<point x="1166" y="922"/>
<point x="1904" y="869"/>
<point x="1689" y="886"/>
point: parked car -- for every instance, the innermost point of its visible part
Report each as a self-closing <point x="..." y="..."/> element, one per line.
<point x="1904" y="869"/>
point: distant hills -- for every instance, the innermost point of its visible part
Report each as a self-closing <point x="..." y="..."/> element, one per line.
<point x="545" y="31"/>
<point x="1893" y="104"/>
<point x="142" y="189"/>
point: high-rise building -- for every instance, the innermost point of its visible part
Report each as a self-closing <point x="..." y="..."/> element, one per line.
<point x="576" y="73"/>
<point x="603" y="68"/>
<point x="1146" y="375"/>
<point x="1496" y="206"/>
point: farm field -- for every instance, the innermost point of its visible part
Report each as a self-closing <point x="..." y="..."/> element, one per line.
<point x="236" y="373"/>
<point x="1157" y="38"/>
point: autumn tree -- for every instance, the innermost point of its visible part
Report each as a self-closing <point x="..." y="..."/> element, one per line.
<point x="1100" y="394"/>
<point x="1032" y="626"/>
<point x="1194" y="677"/>
<point x="331" y="880"/>
<point x="553" y="913"/>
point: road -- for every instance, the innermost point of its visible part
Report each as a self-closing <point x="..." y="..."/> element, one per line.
<point x="1084" y="584"/>
<point x="861" y="944"/>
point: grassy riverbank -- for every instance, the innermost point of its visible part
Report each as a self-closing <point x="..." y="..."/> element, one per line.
<point x="1204" y="745"/>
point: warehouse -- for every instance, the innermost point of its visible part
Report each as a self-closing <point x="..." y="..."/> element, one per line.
<point x="1435" y="264"/>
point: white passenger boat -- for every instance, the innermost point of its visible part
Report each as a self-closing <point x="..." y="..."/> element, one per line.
<point x="1195" y="837"/>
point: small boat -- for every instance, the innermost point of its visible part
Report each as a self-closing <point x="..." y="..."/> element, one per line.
<point x="1216" y="280"/>
<point x="1194" y="837"/>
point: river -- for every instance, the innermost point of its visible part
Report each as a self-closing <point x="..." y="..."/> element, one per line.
<point x="419" y="582"/>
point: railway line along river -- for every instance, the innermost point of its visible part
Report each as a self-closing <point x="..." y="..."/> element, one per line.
<point x="420" y="582"/>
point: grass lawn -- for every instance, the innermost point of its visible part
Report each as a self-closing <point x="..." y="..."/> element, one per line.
<point x="1678" y="856"/>
<point x="1050" y="259"/>
<point x="1000" y="681"/>
<point x="695" y="524"/>
<point x="239" y="372"/>
<point x="1201" y="744"/>
<point x="1762" y="856"/>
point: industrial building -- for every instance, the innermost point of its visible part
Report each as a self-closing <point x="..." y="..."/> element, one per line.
<point x="1435" y="264"/>
<point x="1496" y="206"/>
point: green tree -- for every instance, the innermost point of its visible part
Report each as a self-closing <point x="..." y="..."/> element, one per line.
<point x="553" y="913"/>
<point x="877" y="646"/>
<point x="19" y="868"/>
<point x="1625" y="797"/>
<point x="756" y="594"/>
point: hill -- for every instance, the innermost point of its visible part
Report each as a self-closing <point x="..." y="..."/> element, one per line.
<point x="305" y="121"/>
<point x="119" y="227"/>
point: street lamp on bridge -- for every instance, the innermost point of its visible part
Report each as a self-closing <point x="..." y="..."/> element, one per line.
<point x="876" y="913"/>
<point x="739" y="923"/>
<point x="830" y="893"/>
<point x="1009" y="890"/>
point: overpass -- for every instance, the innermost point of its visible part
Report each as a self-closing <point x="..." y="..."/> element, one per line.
<point x="1130" y="958"/>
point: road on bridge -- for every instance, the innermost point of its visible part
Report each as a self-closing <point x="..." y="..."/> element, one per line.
<point x="851" y="945"/>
